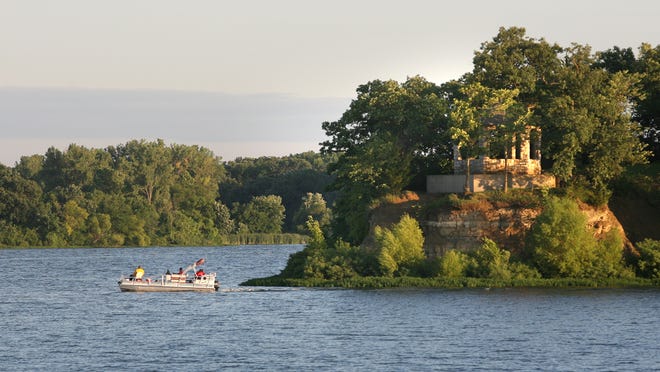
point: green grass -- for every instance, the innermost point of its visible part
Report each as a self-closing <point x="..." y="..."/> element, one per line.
<point x="452" y="283"/>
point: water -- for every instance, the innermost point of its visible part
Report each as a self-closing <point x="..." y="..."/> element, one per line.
<point x="61" y="310"/>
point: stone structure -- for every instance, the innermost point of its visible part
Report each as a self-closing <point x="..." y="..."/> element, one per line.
<point x="522" y="158"/>
<point x="521" y="164"/>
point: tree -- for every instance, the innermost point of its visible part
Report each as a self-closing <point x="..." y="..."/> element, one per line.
<point x="290" y="177"/>
<point x="263" y="214"/>
<point x="314" y="206"/>
<point x="195" y="180"/>
<point x="390" y="133"/>
<point x="74" y="221"/>
<point x="223" y="221"/>
<point x="512" y="60"/>
<point x="454" y="264"/>
<point x="99" y="228"/>
<point x="646" y="108"/>
<point x="582" y="110"/>
<point x="589" y="132"/>
<point x="647" y="111"/>
<point x="320" y="261"/>
<point x="30" y="166"/>
<point x="414" y="112"/>
<point x="648" y="264"/>
<point x="20" y="199"/>
<point x="150" y="169"/>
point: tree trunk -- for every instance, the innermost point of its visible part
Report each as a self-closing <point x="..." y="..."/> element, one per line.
<point x="506" y="170"/>
<point x="467" y="176"/>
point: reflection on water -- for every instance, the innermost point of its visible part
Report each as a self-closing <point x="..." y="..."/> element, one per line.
<point x="64" y="311"/>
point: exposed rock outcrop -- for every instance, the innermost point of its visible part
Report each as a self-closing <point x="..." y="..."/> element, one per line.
<point x="463" y="229"/>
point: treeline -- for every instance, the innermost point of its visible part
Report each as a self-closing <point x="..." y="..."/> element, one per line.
<point x="149" y="193"/>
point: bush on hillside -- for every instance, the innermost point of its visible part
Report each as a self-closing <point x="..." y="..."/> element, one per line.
<point x="648" y="265"/>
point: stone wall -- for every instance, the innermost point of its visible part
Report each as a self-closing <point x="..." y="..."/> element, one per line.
<point x="464" y="230"/>
<point x="508" y="227"/>
<point x="455" y="183"/>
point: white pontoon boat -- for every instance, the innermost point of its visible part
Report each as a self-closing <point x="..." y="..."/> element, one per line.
<point x="172" y="282"/>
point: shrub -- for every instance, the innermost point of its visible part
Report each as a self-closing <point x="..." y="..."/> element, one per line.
<point x="454" y="264"/>
<point x="559" y="241"/>
<point x="318" y="261"/>
<point x="473" y="202"/>
<point x="403" y="197"/>
<point x="491" y="261"/>
<point x="400" y="249"/>
<point x="608" y="258"/>
<point x="521" y="271"/>
<point x="592" y="196"/>
<point x="648" y="265"/>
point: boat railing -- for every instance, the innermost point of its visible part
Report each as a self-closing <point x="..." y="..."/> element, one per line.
<point x="172" y="279"/>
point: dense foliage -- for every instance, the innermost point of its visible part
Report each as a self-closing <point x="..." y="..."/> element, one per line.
<point x="391" y="135"/>
<point x="560" y="252"/>
<point x="646" y="65"/>
<point x="561" y="245"/>
<point x="399" y="250"/>
<point x="583" y="110"/>
<point x="148" y="193"/>
<point x="290" y="177"/>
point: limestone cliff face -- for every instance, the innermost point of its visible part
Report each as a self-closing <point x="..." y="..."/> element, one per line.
<point x="464" y="229"/>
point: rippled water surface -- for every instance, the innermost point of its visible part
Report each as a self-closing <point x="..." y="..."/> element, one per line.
<point x="61" y="309"/>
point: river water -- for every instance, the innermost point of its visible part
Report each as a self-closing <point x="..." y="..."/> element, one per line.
<point x="61" y="310"/>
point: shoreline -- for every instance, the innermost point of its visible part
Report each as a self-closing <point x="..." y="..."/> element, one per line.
<point x="452" y="283"/>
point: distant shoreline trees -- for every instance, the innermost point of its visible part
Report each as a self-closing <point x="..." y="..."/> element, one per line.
<point x="148" y="193"/>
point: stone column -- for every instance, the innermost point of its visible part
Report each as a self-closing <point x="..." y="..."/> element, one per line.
<point x="458" y="162"/>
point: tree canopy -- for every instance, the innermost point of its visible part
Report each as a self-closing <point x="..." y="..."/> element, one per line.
<point x="589" y="135"/>
<point x="390" y="134"/>
<point x="149" y="193"/>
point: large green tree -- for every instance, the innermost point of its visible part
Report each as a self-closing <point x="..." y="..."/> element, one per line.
<point x="391" y="133"/>
<point x="314" y="206"/>
<point x="646" y="108"/>
<point x="263" y="214"/>
<point x="588" y="133"/>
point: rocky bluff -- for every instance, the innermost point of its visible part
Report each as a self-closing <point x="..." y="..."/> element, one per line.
<point x="462" y="225"/>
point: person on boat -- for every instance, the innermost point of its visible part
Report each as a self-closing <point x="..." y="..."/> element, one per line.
<point x="181" y="271"/>
<point x="138" y="273"/>
<point x="200" y="273"/>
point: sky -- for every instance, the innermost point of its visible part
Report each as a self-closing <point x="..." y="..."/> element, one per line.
<point x="250" y="78"/>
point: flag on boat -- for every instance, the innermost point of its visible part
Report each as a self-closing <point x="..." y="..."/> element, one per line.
<point x="199" y="262"/>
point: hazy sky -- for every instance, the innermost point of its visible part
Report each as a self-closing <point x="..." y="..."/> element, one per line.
<point x="249" y="78"/>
